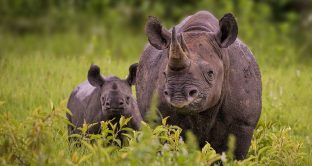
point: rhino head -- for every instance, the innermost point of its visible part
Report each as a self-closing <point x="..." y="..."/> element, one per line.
<point x="195" y="69"/>
<point x="116" y="96"/>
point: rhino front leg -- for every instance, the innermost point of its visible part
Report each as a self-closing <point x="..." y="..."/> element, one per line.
<point x="243" y="134"/>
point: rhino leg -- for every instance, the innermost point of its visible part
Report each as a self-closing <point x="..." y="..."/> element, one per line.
<point x="243" y="134"/>
<point x="218" y="137"/>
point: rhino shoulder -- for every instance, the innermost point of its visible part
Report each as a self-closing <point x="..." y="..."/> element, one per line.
<point x="80" y="96"/>
<point x="84" y="91"/>
<point x="248" y="55"/>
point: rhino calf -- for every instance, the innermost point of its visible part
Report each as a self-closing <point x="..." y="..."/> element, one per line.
<point x="101" y="99"/>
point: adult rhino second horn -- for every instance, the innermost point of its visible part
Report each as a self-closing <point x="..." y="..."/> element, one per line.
<point x="177" y="57"/>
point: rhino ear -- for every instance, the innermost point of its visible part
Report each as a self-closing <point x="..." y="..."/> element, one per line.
<point x="158" y="36"/>
<point x="228" y="30"/>
<point x="132" y="74"/>
<point x="94" y="76"/>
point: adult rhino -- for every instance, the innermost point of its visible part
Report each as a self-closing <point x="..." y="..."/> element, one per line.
<point x="207" y="79"/>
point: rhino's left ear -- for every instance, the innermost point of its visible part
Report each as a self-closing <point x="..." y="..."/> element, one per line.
<point x="228" y="30"/>
<point x="94" y="76"/>
<point x="157" y="35"/>
<point x="132" y="74"/>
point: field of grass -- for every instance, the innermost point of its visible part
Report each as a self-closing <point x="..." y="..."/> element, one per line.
<point x="38" y="73"/>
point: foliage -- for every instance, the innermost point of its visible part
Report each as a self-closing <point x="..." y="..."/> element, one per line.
<point x="41" y="140"/>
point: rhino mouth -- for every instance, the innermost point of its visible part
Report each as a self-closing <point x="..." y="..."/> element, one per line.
<point x="190" y="108"/>
<point x="114" y="111"/>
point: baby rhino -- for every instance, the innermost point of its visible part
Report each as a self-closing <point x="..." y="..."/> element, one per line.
<point x="101" y="99"/>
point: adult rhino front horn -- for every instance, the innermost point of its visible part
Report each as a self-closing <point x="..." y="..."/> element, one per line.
<point x="177" y="56"/>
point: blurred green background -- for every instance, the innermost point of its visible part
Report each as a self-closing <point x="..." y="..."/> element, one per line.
<point x="46" y="47"/>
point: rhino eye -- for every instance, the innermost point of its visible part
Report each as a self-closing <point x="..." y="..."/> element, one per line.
<point x="127" y="99"/>
<point x="210" y="75"/>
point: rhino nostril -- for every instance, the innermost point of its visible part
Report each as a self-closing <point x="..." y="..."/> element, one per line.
<point x="107" y="103"/>
<point x="121" y="103"/>
<point x="193" y="93"/>
<point x="166" y="93"/>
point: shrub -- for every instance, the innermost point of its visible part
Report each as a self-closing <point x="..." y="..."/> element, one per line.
<point x="42" y="140"/>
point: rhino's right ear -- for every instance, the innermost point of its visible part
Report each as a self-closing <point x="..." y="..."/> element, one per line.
<point x="158" y="36"/>
<point x="228" y="31"/>
<point x="94" y="76"/>
<point x="132" y="74"/>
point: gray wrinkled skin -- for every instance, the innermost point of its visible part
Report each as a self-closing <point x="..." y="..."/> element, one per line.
<point x="93" y="101"/>
<point x="207" y="82"/>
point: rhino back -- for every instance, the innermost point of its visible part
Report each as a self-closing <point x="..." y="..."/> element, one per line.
<point x="84" y="104"/>
<point x="202" y="20"/>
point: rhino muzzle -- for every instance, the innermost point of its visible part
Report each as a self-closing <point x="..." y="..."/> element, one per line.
<point x="181" y="99"/>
